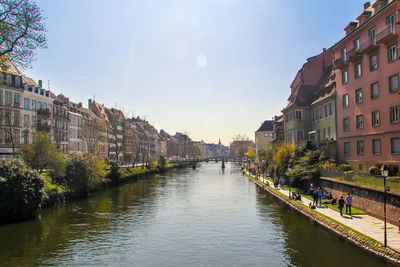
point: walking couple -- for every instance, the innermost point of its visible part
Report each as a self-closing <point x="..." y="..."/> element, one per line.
<point x="342" y="202"/>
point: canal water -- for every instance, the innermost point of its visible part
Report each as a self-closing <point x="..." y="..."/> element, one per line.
<point x="202" y="217"/>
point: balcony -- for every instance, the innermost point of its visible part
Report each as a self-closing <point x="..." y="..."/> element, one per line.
<point x="354" y="55"/>
<point x="369" y="46"/>
<point x="388" y="34"/>
<point x="340" y="63"/>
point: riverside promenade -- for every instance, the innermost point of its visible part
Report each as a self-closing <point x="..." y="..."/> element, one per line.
<point x="365" y="224"/>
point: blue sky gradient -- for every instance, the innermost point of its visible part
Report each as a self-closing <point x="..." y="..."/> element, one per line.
<point x="213" y="68"/>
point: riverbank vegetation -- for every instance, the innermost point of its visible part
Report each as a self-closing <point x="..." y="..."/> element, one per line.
<point x="44" y="176"/>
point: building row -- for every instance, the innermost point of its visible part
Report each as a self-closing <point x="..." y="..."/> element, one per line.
<point x="26" y="107"/>
<point x="346" y="100"/>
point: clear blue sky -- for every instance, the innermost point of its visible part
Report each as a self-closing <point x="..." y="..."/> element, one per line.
<point x="213" y="68"/>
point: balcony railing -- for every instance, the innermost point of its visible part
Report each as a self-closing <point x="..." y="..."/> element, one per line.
<point x="340" y="63"/>
<point x="368" y="46"/>
<point x="387" y="34"/>
<point x="354" y="55"/>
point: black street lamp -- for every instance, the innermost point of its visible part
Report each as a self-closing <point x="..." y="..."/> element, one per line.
<point x="386" y="189"/>
<point x="289" y="170"/>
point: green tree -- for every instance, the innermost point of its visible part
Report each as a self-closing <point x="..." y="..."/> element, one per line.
<point x="162" y="162"/>
<point x="43" y="154"/>
<point x="21" y="190"/>
<point x="197" y="151"/>
<point x="250" y="154"/>
<point x="86" y="173"/>
<point x="280" y="159"/>
<point x="22" y="31"/>
<point x="307" y="168"/>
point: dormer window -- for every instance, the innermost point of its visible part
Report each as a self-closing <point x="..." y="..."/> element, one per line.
<point x="378" y="5"/>
<point x="36" y="90"/>
<point x="9" y="80"/>
<point x="26" y="87"/>
<point x="17" y="82"/>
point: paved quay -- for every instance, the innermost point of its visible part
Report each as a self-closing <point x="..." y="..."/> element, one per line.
<point x="365" y="224"/>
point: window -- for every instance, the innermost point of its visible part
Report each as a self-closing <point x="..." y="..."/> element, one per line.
<point x="345" y="77"/>
<point x="372" y="36"/>
<point x="44" y="106"/>
<point x="16" y="118"/>
<point x="330" y="108"/>
<point x="375" y="90"/>
<point x="360" y="121"/>
<point x="394" y="114"/>
<point x="345" y="100"/>
<point x="300" y="135"/>
<point x="391" y="22"/>
<point x="9" y="80"/>
<point x="360" y="147"/>
<point x="17" y="82"/>
<point x="392" y="53"/>
<point x="299" y="114"/>
<point x="343" y="54"/>
<point x="346" y="124"/>
<point x="329" y="132"/>
<point x="376" y="146"/>
<point x="26" y="120"/>
<point x="346" y="148"/>
<point x="357" y="70"/>
<point x="359" y="95"/>
<point x="373" y="62"/>
<point x="39" y="105"/>
<point x="396" y="145"/>
<point x="360" y="167"/>
<point x="394" y="83"/>
<point x="324" y="134"/>
<point x="26" y="103"/>
<point x="16" y="99"/>
<point x="33" y="104"/>
<point x="8" y="99"/>
<point x="375" y="118"/>
<point x="326" y="110"/>
<point x="33" y="120"/>
<point x="356" y="44"/>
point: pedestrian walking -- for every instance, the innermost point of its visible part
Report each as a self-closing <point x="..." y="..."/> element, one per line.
<point x="319" y="196"/>
<point x="315" y="196"/>
<point x="349" y="199"/>
<point x="341" y="205"/>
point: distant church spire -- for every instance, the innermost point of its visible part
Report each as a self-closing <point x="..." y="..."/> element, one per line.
<point x="219" y="142"/>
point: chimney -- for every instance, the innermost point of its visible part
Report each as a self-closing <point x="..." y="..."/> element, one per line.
<point x="366" y="5"/>
<point x="40" y="83"/>
<point x="90" y="103"/>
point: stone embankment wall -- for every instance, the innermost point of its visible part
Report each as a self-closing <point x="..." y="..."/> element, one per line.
<point x="356" y="238"/>
<point x="365" y="198"/>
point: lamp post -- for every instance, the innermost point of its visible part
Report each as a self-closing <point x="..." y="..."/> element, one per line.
<point x="385" y="173"/>
<point x="289" y="170"/>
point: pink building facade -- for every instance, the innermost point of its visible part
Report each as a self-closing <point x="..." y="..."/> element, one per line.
<point x="367" y="67"/>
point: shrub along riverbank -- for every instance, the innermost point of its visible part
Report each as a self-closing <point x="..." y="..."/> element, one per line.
<point x="24" y="190"/>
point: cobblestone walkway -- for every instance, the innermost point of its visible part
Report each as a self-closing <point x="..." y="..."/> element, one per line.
<point x="365" y="224"/>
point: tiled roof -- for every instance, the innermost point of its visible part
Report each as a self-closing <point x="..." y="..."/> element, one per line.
<point x="266" y="126"/>
<point x="29" y="81"/>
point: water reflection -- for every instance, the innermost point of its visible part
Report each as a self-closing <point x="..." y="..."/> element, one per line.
<point x="207" y="216"/>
